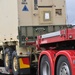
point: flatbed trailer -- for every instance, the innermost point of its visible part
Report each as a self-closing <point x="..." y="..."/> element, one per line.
<point x="57" y="55"/>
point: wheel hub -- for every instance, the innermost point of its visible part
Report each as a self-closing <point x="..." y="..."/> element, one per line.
<point x="15" y="64"/>
<point x="64" y="69"/>
<point x="6" y="60"/>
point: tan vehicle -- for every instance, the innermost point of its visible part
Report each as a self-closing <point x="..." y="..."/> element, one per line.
<point x="21" y="21"/>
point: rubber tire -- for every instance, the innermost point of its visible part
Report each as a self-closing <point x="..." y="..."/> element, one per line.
<point x="62" y="59"/>
<point x="15" y="72"/>
<point x="44" y="58"/>
<point x="9" y="52"/>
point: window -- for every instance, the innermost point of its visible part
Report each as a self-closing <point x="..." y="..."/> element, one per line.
<point x="58" y="11"/>
<point x="47" y="15"/>
<point x="35" y="5"/>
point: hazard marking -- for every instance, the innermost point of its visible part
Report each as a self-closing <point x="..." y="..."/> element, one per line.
<point x="25" y="8"/>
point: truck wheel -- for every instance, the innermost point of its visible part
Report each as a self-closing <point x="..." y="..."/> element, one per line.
<point x="8" y="60"/>
<point x="45" y="66"/>
<point x="63" y="66"/>
<point x="15" y="65"/>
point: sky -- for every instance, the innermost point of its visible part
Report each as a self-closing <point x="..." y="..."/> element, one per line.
<point x="70" y="11"/>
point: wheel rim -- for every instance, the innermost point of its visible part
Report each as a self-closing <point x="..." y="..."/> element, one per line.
<point x="15" y="64"/>
<point x="6" y="60"/>
<point x="46" y="68"/>
<point x="64" y="69"/>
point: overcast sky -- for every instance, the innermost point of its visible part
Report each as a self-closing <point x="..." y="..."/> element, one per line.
<point x="70" y="10"/>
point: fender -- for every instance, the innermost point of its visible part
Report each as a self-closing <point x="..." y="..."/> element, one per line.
<point x="50" y="54"/>
<point x="70" y="55"/>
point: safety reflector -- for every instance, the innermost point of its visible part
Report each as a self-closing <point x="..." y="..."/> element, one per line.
<point x="24" y="63"/>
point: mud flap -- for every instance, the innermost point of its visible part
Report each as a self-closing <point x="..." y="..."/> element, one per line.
<point x="24" y="65"/>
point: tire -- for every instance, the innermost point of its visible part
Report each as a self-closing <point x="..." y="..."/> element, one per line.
<point x="8" y="59"/>
<point x="15" y="64"/>
<point x="45" y="66"/>
<point x="63" y="66"/>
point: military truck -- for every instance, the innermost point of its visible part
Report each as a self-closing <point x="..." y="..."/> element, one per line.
<point x="21" y="22"/>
